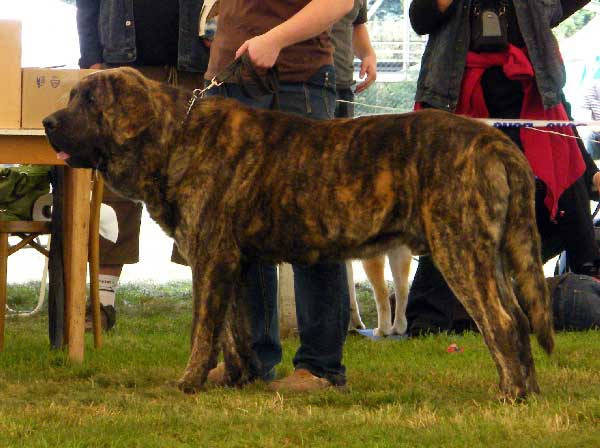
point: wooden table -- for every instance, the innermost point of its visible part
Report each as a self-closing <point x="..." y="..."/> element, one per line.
<point x="30" y="146"/>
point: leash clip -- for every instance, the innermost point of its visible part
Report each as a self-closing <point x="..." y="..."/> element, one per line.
<point x="199" y="93"/>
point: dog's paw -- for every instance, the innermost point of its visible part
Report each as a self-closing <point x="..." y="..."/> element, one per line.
<point x="241" y="379"/>
<point x="355" y="326"/>
<point x="382" y="332"/>
<point x="188" y="387"/>
<point x="400" y="327"/>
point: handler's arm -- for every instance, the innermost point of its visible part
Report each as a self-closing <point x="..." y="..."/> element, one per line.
<point x="87" y="28"/>
<point x="364" y="51"/>
<point x="426" y="16"/>
<point x="314" y="18"/>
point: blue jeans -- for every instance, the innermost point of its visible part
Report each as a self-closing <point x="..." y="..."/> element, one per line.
<point x="576" y="303"/>
<point x="322" y="298"/>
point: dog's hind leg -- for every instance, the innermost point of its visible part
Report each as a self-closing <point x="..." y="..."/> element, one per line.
<point x="215" y="277"/>
<point x="400" y="259"/>
<point x="466" y="244"/>
<point x="472" y="273"/>
<point x="374" y="268"/>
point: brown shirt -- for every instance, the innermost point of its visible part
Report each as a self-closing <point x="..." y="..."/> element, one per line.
<point x="240" y="20"/>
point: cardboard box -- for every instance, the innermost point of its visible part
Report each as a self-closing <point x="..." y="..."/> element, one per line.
<point x="45" y="90"/>
<point x="10" y="74"/>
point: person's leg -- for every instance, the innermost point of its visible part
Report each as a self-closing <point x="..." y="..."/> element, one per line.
<point x="114" y="255"/>
<point x="322" y="297"/>
<point x="323" y="314"/>
<point x="572" y="230"/>
<point x="261" y="290"/>
<point x="432" y="307"/>
<point x="576" y="229"/>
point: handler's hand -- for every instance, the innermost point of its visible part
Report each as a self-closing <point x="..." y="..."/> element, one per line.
<point x="262" y="50"/>
<point x="368" y="66"/>
<point x="97" y="66"/>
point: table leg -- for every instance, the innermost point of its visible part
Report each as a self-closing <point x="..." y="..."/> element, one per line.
<point x="3" y="280"/>
<point x="76" y="232"/>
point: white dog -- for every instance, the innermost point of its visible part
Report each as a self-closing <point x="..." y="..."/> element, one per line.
<point x="399" y="259"/>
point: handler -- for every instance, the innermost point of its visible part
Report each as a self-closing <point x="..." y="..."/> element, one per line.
<point x="293" y="35"/>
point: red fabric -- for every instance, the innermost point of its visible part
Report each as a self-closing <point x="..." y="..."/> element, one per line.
<point x="556" y="160"/>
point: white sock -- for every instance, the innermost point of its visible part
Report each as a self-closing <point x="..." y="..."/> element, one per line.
<point x="108" y="286"/>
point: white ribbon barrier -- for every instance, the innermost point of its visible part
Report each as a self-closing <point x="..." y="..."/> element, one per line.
<point x="510" y="123"/>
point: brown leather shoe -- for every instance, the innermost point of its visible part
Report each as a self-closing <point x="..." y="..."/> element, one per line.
<point x="300" y="381"/>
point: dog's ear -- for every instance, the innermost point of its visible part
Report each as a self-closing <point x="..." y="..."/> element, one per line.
<point x="133" y="108"/>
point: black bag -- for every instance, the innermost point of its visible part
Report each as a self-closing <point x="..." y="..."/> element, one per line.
<point x="488" y="26"/>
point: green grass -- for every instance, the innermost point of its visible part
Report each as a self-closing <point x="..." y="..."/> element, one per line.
<point x="401" y="393"/>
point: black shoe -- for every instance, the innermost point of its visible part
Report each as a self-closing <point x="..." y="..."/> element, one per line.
<point x="108" y="317"/>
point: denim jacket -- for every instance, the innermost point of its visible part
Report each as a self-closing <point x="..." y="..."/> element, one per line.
<point x="107" y="34"/>
<point x="443" y="62"/>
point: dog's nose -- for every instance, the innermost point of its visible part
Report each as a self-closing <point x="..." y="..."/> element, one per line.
<point x="50" y="123"/>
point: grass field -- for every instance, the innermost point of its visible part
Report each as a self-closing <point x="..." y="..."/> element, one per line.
<point x="401" y="393"/>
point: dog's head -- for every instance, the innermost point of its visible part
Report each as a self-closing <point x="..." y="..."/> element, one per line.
<point x="105" y="110"/>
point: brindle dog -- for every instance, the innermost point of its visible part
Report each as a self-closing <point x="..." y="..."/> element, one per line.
<point x="233" y="184"/>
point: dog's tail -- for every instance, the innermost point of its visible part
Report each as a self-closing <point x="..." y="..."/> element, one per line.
<point x="523" y="252"/>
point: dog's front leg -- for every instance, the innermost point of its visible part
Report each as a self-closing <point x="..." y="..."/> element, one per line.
<point x="214" y="277"/>
<point x="242" y="364"/>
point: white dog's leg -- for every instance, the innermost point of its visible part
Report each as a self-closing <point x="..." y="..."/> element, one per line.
<point x="400" y="259"/>
<point x="374" y="268"/>
<point x="356" y="322"/>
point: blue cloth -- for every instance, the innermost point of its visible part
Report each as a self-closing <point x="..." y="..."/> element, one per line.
<point x="576" y="302"/>
<point x="369" y="334"/>
<point x="322" y="298"/>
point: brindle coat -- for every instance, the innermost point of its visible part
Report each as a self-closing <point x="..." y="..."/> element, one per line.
<point x="233" y="184"/>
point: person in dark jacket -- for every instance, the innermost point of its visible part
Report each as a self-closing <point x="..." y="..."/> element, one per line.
<point x="160" y="38"/>
<point x="520" y="76"/>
